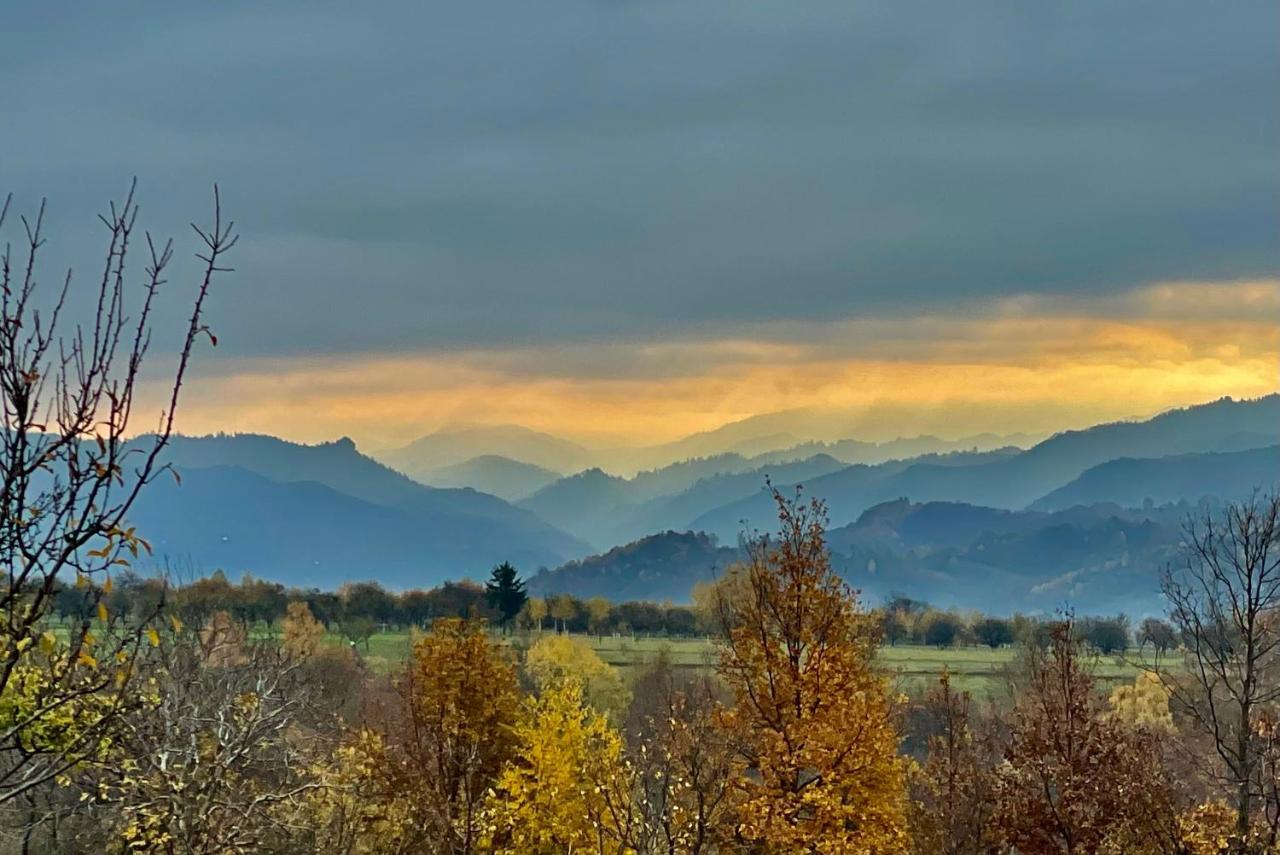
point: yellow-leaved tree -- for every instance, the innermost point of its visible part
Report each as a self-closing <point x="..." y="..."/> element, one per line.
<point x="357" y="807"/>
<point x="302" y="633"/>
<point x="555" y="658"/>
<point x="811" y="719"/>
<point x="567" y="790"/>
<point x="1142" y="703"/>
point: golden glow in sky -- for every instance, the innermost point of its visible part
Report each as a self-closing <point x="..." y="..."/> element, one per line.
<point x="1029" y="364"/>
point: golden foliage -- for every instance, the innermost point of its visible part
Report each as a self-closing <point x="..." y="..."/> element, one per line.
<point x="1208" y="829"/>
<point x="811" y="718"/>
<point x="535" y="611"/>
<point x="555" y="658"/>
<point x="567" y="783"/>
<point x="357" y="808"/>
<point x="461" y="704"/>
<point x="1143" y="703"/>
<point x="302" y="633"/>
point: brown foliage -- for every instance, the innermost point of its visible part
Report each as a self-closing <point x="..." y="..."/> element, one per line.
<point x="953" y="793"/>
<point x="1076" y="780"/>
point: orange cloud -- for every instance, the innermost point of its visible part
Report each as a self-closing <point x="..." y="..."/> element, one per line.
<point x="1019" y="365"/>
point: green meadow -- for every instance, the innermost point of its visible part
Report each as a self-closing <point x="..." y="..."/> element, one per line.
<point x="912" y="667"/>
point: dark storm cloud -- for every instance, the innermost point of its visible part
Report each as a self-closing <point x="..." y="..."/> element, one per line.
<point x="416" y="175"/>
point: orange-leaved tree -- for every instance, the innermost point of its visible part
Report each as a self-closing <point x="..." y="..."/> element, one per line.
<point x="461" y="703"/>
<point x="811" y="720"/>
<point x="417" y="778"/>
<point x="302" y="633"/>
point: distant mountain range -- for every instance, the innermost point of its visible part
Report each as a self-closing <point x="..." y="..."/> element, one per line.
<point x="1099" y="559"/>
<point x="1018" y="480"/>
<point x="449" y="447"/>
<point x="325" y="514"/>
<point x="748" y="440"/>
<point x="1134" y="482"/>
<point x="1056" y="520"/>
<point x="605" y="509"/>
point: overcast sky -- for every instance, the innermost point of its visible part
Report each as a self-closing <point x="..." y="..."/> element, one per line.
<point x="601" y="201"/>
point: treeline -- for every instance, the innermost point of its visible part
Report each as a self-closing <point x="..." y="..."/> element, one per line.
<point x="903" y="619"/>
<point x="360" y="609"/>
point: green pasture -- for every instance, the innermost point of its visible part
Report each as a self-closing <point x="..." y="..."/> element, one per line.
<point x="912" y="667"/>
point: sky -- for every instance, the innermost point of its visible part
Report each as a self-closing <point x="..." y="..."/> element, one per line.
<point x="623" y="221"/>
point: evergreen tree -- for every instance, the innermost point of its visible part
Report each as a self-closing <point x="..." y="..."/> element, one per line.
<point x="505" y="591"/>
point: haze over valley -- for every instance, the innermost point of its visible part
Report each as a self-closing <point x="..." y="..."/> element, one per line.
<point x="1085" y="517"/>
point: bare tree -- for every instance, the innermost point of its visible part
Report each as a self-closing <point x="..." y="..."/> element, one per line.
<point x="220" y="761"/>
<point x="68" y="477"/>
<point x="1225" y="601"/>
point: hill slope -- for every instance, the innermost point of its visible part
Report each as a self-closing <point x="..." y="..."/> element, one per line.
<point x="457" y="445"/>
<point x="1133" y="481"/>
<point x="491" y="473"/>
<point x="1015" y="481"/>
<point x="658" y="567"/>
<point x="1099" y="559"/>
<point x="242" y="483"/>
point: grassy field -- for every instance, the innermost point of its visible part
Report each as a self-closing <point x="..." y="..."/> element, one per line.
<point x="979" y="670"/>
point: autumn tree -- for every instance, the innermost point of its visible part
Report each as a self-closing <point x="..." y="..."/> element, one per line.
<point x="598" y="610"/>
<point x="810" y="720"/>
<point x="69" y="475"/>
<point x="1076" y="780"/>
<point x="1143" y="703"/>
<point x="562" y="609"/>
<point x="682" y="764"/>
<point x="536" y="608"/>
<point x="222" y="641"/>
<point x="505" y="593"/>
<point x="712" y="601"/>
<point x="953" y="792"/>
<point x="1224" y="601"/>
<point x="301" y="632"/>
<point x="461" y="704"/>
<point x="212" y="763"/>
<point x="357" y="807"/>
<point x="566" y="790"/>
<point x="554" y="658"/>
